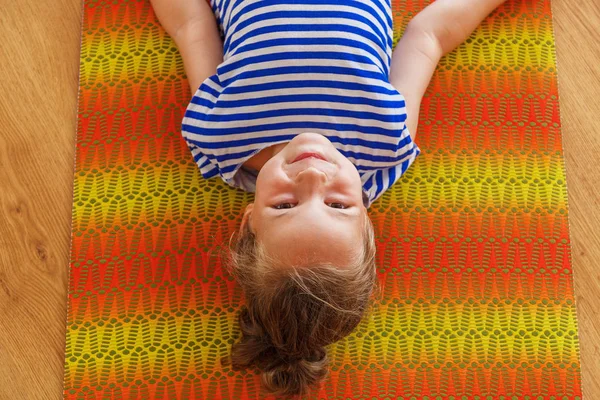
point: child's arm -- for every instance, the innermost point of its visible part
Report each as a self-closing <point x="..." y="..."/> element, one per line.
<point x="431" y="34"/>
<point x="193" y="27"/>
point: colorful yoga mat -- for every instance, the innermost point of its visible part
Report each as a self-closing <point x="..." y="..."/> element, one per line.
<point x="473" y="242"/>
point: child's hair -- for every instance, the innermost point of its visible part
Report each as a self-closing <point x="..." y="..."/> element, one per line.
<point x="291" y="312"/>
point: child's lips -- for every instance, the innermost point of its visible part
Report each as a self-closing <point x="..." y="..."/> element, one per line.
<point x="310" y="159"/>
<point x="308" y="155"/>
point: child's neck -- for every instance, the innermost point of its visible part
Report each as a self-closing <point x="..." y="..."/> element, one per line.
<point x="257" y="161"/>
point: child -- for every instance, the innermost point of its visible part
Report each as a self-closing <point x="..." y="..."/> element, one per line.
<point x="302" y="102"/>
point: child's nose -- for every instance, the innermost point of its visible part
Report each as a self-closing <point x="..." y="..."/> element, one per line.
<point x="311" y="177"/>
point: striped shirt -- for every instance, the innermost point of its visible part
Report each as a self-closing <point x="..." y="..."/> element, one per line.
<point x="294" y="66"/>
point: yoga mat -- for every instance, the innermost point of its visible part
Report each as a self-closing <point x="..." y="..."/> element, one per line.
<point x="473" y="242"/>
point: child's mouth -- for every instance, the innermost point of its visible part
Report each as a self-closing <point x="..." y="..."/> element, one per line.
<point x="307" y="155"/>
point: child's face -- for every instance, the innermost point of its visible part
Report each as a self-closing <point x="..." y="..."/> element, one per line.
<point x="308" y="210"/>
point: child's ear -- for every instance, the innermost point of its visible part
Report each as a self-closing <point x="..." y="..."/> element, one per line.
<point x="246" y="218"/>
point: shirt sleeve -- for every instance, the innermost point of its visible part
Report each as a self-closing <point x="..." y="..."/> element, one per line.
<point x="376" y="182"/>
<point x="207" y="168"/>
<point x="244" y="178"/>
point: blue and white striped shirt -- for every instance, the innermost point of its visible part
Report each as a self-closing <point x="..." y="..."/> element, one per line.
<point x="294" y="66"/>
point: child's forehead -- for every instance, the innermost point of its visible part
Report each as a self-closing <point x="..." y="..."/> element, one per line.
<point x="316" y="241"/>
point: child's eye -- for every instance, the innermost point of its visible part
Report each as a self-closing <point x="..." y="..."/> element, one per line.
<point x="283" y="205"/>
<point x="336" y="205"/>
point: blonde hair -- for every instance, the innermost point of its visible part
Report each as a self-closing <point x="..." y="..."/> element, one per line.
<point x="292" y="312"/>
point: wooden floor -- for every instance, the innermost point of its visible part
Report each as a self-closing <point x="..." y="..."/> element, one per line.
<point x="39" y="62"/>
